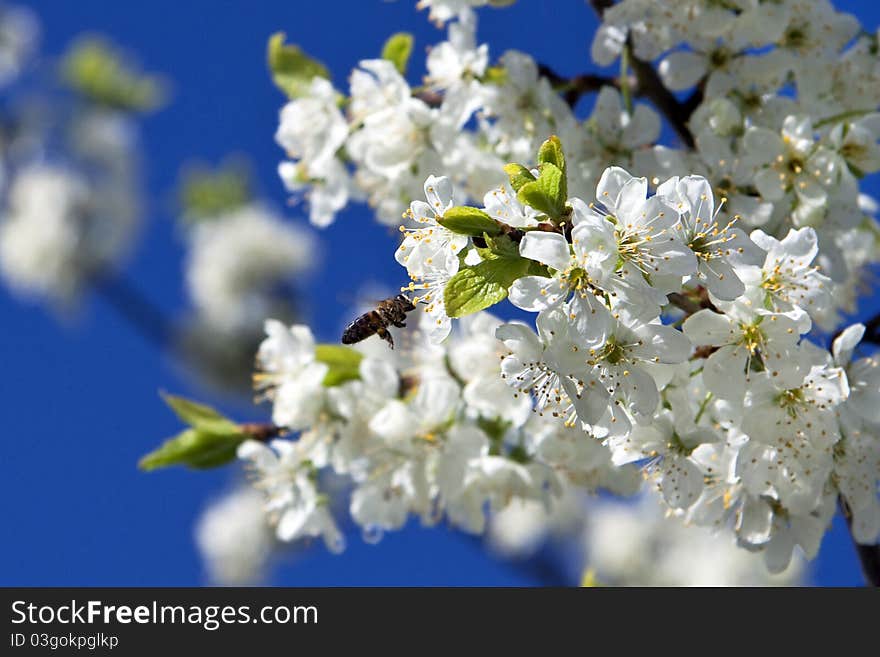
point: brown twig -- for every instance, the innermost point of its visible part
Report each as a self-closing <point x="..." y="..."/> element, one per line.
<point x="649" y="85"/>
<point x="575" y="87"/>
<point x="696" y="300"/>
<point x="261" y="431"/>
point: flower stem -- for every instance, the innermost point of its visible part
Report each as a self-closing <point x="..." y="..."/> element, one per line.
<point x="625" y="91"/>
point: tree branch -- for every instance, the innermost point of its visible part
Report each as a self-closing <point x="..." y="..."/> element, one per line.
<point x="872" y="330"/>
<point x="133" y="306"/>
<point x="262" y="431"/>
<point x="695" y="300"/>
<point x="573" y="88"/>
<point x="599" y="6"/>
<point x="649" y="85"/>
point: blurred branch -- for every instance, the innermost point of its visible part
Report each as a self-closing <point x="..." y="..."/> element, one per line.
<point x="601" y="5"/>
<point x="692" y="302"/>
<point x="869" y="555"/>
<point x="651" y="86"/>
<point x="872" y="330"/>
<point x="575" y="87"/>
<point x="262" y="431"/>
<point x="571" y="89"/>
<point x="148" y="319"/>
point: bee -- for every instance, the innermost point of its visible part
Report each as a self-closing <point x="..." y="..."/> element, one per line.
<point x="389" y="312"/>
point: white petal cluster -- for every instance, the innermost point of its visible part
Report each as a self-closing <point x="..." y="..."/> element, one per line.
<point x="635" y="545"/>
<point x="425" y="431"/>
<point x="237" y="260"/>
<point x="735" y="419"/>
<point x="782" y="143"/>
<point x="234" y="539"/>
<point x="65" y="223"/>
<point x="39" y="233"/>
<point x="680" y="295"/>
<point x="787" y="124"/>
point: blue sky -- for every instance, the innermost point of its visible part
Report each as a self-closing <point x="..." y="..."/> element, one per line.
<point x="79" y="399"/>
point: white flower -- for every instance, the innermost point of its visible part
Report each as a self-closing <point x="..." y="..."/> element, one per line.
<point x="238" y="259"/>
<point x="615" y="133"/>
<point x="620" y="365"/>
<point x="793" y="163"/>
<point x="502" y="205"/>
<point x="857" y="455"/>
<point x="475" y="358"/>
<point x="583" y="459"/>
<point x="385" y="499"/>
<point x="233" y="538"/>
<point x="470" y="477"/>
<point x="291" y="376"/>
<point x="677" y="477"/>
<point x="311" y="129"/>
<point x="40" y="236"/>
<point x="857" y="142"/>
<point x="292" y="498"/>
<point x="435" y="403"/>
<point x="716" y="246"/>
<point x="647" y="241"/>
<point x="788" y="280"/>
<point x="327" y="195"/>
<point x="793" y="431"/>
<point x="430" y="246"/>
<point x="863" y="375"/>
<point x="551" y="367"/>
<point x="743" y="335"/>
<point x="458" y="59"/>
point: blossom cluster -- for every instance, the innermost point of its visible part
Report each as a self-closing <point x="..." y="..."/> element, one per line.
<point x="68" y="222"/>
<point x="738" y="421"/>
<point x="621" y="543"/>
<point x="426" y="430"/>
<point x="786" y="125"/>
<point x="238" y="259"/>
<point x="70" y="196"/>
<point x="680" y="291"/>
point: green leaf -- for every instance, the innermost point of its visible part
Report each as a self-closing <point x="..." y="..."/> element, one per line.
<point x="343" y="363"/>
<point x="484" y="284"/>
<point x="518" y="174"/>
<point x="466" y="220"/>
<point x="551" y="153"/>
<point x="211" y="439"/>
<point x="397" y="50"/>
<point x="208" y="194"/>
<point x="292" y="70"/>
<point x="547" y="193"/>
<point x="500" y="246"/>
<point x="199" y="415"/>
<point x="99" y="72"/>
<point x="195" y="448"/>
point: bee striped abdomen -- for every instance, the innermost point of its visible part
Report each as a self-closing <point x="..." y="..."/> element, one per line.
<point x="389" y="312"/>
